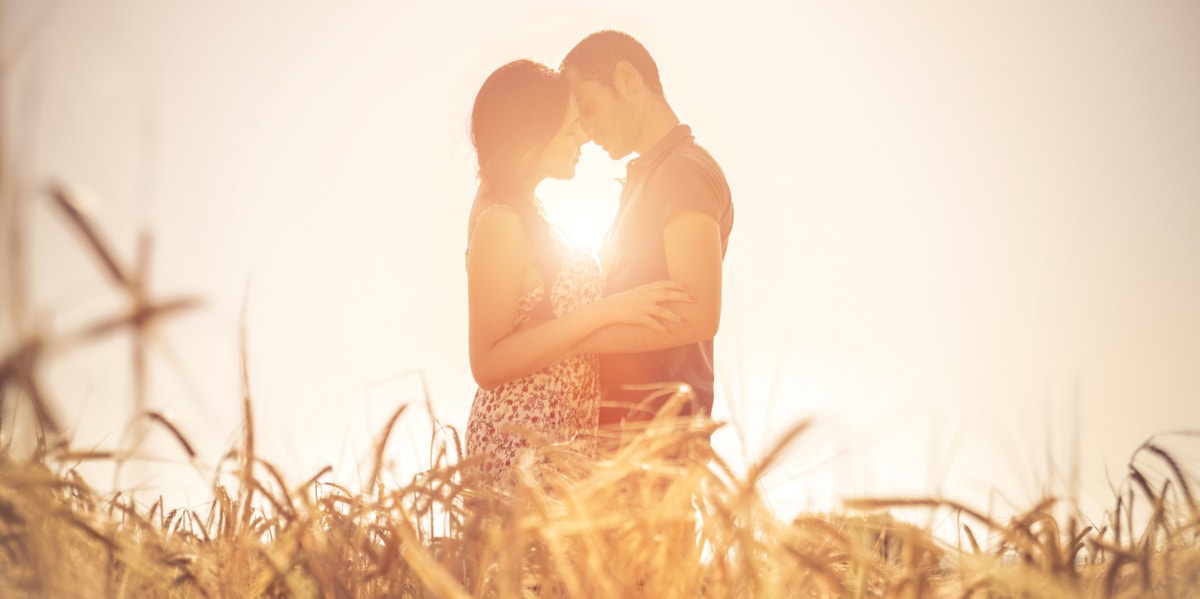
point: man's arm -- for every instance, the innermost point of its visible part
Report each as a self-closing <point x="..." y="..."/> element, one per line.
<point x="693" y="246"/>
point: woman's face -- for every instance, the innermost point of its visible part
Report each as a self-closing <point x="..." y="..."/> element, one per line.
<point x="561" y="155"/>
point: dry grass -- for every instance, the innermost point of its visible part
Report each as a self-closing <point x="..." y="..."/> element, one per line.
<point x="660" y="515"/>
<point x="645" y="523"/>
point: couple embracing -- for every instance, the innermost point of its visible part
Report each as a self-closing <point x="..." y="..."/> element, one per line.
<point x="560" y="345"/>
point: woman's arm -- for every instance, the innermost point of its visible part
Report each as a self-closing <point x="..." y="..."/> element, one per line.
<point x="497" y="259"/>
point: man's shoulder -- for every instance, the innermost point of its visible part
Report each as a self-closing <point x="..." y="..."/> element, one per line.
<point x="690" y="153"/>
<point x="689" y="159"/>
<point x="688" y="164"/>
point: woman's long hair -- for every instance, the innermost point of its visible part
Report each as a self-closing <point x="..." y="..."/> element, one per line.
<point x="517" y="112"/>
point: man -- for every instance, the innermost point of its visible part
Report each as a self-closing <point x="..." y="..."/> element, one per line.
<point x="673" y="222"/>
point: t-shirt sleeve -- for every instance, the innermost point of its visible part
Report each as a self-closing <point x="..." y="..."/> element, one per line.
<point x="687" y="185"/>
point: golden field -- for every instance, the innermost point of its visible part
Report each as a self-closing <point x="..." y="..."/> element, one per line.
<point x="660" y="515"/>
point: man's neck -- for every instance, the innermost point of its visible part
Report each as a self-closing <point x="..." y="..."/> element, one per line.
<point x="659" y="121"/>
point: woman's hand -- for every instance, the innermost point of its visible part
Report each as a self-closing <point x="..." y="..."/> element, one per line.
<point x="642" y="305"/>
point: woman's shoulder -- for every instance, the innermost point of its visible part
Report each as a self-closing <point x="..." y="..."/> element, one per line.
<point x="493" y="215"/>
<point x="487" y="202"/>
<point x="479" y="210"/>
<point x="498" y="229"/>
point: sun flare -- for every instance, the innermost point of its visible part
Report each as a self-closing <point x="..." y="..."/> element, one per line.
<point x="583" y="207"/>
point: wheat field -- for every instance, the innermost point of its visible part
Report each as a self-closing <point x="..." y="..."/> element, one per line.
<point x="659" y="515"/>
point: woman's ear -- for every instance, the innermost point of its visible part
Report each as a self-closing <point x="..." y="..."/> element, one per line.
<point x="627" y="81"/>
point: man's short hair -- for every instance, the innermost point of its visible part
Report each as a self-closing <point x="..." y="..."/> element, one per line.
<point x="596" y="57"/>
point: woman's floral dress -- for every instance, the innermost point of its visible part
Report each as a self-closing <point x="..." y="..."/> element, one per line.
<point x="558" y="404"/>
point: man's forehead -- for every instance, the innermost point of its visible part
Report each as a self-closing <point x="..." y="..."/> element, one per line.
<point x="577" y="82"/>
<point x="573" y="77"/>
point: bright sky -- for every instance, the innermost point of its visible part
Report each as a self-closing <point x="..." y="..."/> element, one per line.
<point x="967" y="236"/>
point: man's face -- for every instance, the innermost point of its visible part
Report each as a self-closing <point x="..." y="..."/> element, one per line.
<point x="605" y="115"/>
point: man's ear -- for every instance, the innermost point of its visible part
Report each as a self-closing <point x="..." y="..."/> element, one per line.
<point x="626" y="79"/>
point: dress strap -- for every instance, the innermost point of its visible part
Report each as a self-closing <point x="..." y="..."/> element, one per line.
<point x="475" y="221"/>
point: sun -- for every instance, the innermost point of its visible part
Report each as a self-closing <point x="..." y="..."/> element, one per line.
<point x="583" y="207"/>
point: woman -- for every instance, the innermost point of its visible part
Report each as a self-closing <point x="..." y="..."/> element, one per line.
<point x="531" y="295"/>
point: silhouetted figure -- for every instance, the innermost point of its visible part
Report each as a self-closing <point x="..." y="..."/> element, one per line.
<point x="533" y="296"/>
<point x="673" y="222"/>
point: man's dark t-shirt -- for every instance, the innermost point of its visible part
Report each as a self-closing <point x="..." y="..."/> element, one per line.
<point x="675" y="176"/>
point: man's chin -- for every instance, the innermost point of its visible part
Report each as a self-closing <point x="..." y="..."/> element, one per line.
<point x="565" y="174"/>
<point x="617" y="153"/>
